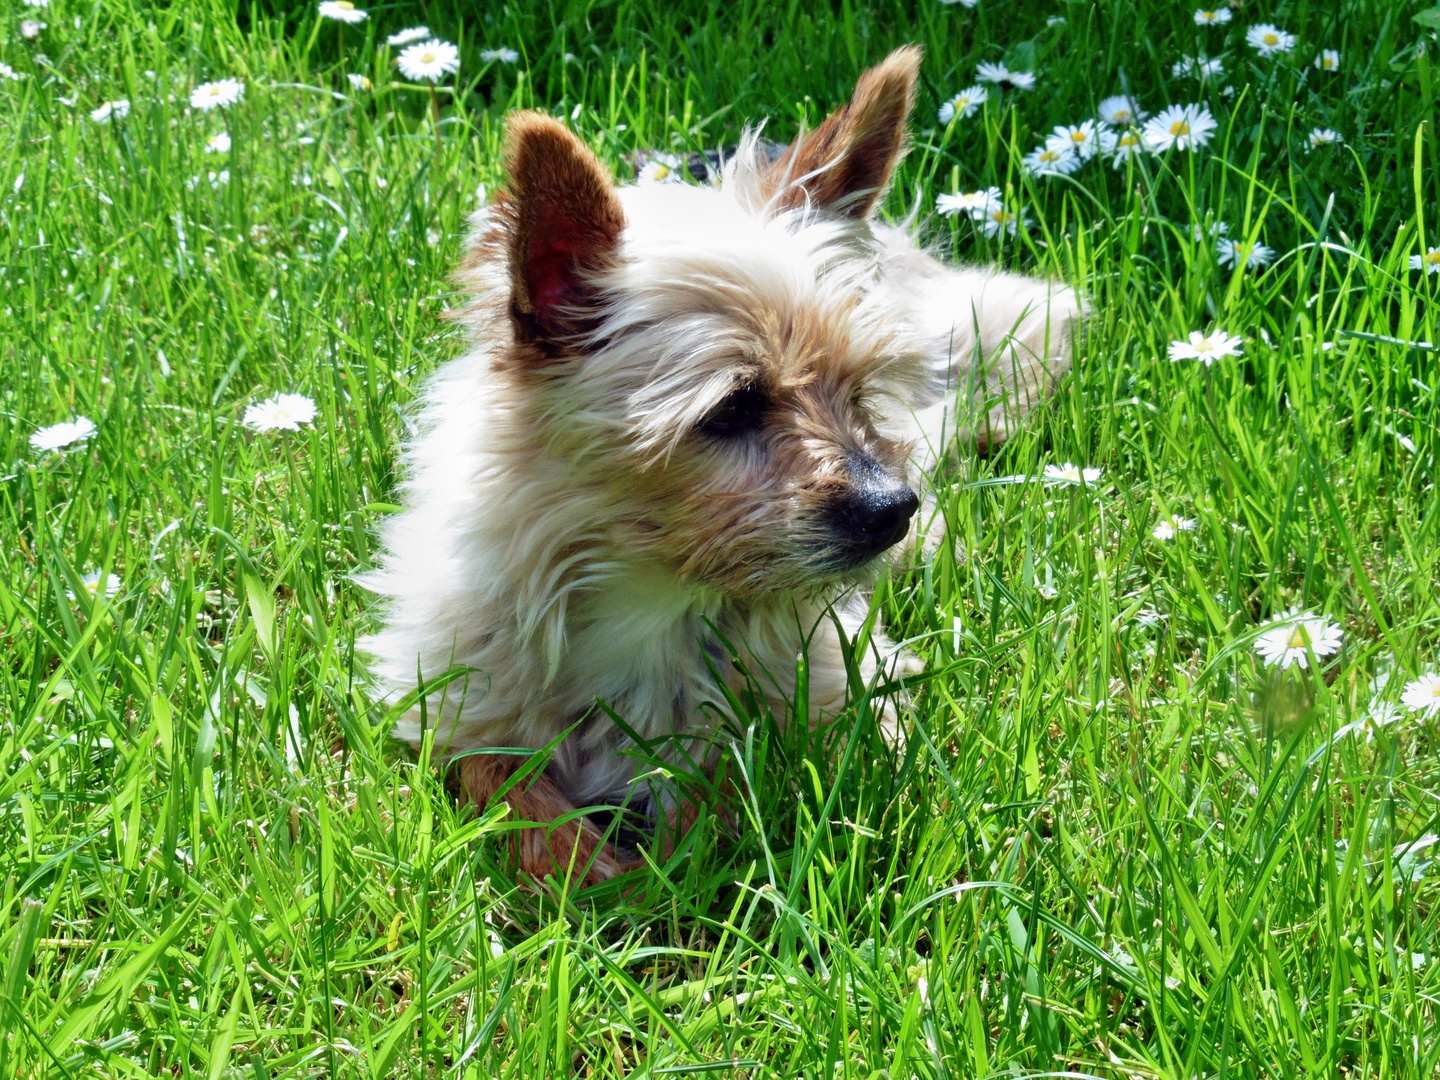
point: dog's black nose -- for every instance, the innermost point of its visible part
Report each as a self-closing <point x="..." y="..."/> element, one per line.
<point x="877" y="511"/>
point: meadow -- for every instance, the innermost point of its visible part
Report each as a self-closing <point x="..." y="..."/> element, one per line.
<point x="1167" y="806"/>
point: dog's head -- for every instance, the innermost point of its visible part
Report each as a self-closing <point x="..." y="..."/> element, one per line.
<point x="719" y="363"/>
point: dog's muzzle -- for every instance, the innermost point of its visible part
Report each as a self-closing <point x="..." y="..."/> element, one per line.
<point x="874" y="515"/>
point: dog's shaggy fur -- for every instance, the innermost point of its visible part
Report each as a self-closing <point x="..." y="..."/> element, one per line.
<point x="691" y="415"/>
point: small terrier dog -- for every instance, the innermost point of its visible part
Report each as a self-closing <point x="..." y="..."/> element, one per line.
<point x="691" y="416"/>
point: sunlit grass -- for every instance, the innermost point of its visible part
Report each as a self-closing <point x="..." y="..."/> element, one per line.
<point x="1112" y="843"/>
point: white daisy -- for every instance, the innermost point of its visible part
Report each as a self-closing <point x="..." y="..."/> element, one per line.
<point x="217" y="179"/>
<point x="1182" y="127"/>
<point x="1429" y="262"/>
<point x="1051" y="161"/>
<point x="962" y="3"/>
<point x="1167" y="527"/>
<point x="341" y="11"/>
<point x="1199" y="232"/>
<point x="1268" y="40"/>
<point x="963" y="104"/>
<point x="110" y="110"/>
<point x="998" y="219"/>
<point x="1069" y="473"/>
<point x="283" y="412"/>
<point x="219" y="143"/>
<point x="1328" y="60"/>
<point x="1382" y="715"/>
<point x="405" y="37"/>
<point x="1232" y="252"/>
<point x="1197" y="67"/>
<point x="1206" y="348"/>
<point x="1323" y="137"/>
<point x="30" y="28"/>
<point x="359" y="82"/>
<point x="1119" y="110"/>
<point x="96" y="585"/>
<point x="215" y="95"/>
<point x="1212" y="18"/>
<point x="59" y="436"/>
<point x="431" y="60"/>
<point x="1295" y="635"/>
<point x="974" y="204"/>
<point x="1423" y="695"/>
<point x="37" y="3"/>
<point x="505" y="56"/>
<point x="661" y="169"/>
<point x="1081" y="139"/>
<point x="1004" y="77"/>
<point x="1121" y="146"/>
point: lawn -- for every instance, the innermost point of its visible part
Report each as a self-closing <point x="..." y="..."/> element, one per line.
<point x="1129" y="834"/>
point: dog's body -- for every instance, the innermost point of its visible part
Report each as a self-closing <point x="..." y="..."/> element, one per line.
<point x="691" y="417"/>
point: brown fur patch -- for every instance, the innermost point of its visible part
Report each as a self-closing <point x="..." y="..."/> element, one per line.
<point x="846" y="163"/>
<point x="564" y="224"/>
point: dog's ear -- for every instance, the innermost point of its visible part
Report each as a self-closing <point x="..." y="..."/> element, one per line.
<point x="565" y="226"/>
<point x="845" y="164"/>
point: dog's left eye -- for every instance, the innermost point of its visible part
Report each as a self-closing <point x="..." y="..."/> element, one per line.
<point x="740" y="413"/>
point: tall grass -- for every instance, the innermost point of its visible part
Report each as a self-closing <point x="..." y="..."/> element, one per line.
<point x="1114" y="843"/>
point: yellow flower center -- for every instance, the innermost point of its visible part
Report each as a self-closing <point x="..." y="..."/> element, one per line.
<point x="1129" y="140"/>
<point x="1002" y="217"/>
<point x="344" y="5"/>
<point x="1180" y="127"/>
<point x="1435" y="690"/>
<point x="1205" y="345"/>
<point x="1327" y="62"/>
<point x="427" y="57"/>
<point x="1433" y="257"/>
<point x="1298" y="638"/>
<point x="1078" y="136"/>
<point x="661" y="171"/>
<point x="1208" y="16"/>
<point x="1270" y="39"/>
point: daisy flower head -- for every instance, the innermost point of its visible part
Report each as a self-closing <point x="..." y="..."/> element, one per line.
<point x="1423" y="695"/>
<point x="973" y="204"/>
<point x="1328" y="60"/>
<point x="1082" y="139"/>
<point x="1218" y="17"/>
<point x="997" y="219"/>
<point x="963" y="104"/>
<point x="1382" y="715"/>
<point x="37" y="3"/>
<point x="1070" y="474"/>
<point x="1200" y="231"/>
<point x="1050" y="160"/>
<point x="1235" y="252"/>
<point x="1197" y="67"/>
<point x="433" y="60"/>
<point x="1180" y="127"/>
<point x="1323" y="137"/>
<point x="1167" y="527"/>
<point x="359" y="82"/>
<point x="1120" y="111"/>
<point x="1004" y="78"/>
<point x="661" y="169"/>
<point x="1121" y="146"/>
<point x="98" y="585"/>
<point x="110" y="110"/>
<point x="503" y="55"/>
<point x="341" y="11"/>
<point x="405" y="37"/>
<point x="1295" y="635"/>
<point x="284" y="412"/>
<point x="962" y="3"/>
<point x="1429" y="262"/>
<point x="1269" y="40"/>
<point x="61" y="436"/>
<point x="217" y="95"/>
<point x="219" y="143"/>
<point x="1206" y="347"/>
<point x="30" y="28"/>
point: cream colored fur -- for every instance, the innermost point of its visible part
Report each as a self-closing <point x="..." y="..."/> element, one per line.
<point x="526" y="554"/>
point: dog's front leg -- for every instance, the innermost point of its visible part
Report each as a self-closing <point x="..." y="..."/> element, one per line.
<point x="573" y="847"/>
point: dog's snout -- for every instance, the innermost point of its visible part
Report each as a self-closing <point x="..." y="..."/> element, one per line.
<point x="877" y="510"/>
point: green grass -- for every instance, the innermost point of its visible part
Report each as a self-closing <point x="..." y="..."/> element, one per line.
<point x="1107" y="847"/>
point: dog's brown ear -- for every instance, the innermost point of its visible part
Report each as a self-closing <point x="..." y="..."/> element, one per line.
<point x="565" y="225"/>
<point x="845" y="164"/>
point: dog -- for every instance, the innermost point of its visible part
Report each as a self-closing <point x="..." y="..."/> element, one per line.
<point x="693" y="416"/>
